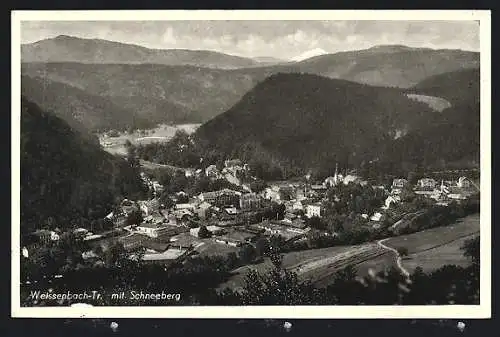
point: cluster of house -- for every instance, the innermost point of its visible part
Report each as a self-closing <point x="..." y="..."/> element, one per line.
<point x="442" y="192"/>
<point x="232" y="168"/>
<point x="46" y="236"/>
<point x="305" y="198"/>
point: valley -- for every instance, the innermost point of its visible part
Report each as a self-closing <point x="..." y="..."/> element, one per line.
<point x="193" y="169"/>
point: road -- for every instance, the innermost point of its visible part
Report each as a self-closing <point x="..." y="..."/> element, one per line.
<point x="407" y="218"/>
<point x="150" y="165"/>
<point x="399" y="258"/>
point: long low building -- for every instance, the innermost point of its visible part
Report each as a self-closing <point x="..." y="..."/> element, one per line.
<point x="234" y="238"/>
<point x="151" y="229"/>
<point x="169" y="254"/>
<point x="221" y="198"/>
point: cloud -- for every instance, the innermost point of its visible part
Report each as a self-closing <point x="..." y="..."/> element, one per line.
<point x="168" y="37"/>
<point x="281" y="39"/>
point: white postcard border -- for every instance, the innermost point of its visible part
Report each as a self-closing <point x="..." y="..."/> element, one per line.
<point x="287" y="312"/>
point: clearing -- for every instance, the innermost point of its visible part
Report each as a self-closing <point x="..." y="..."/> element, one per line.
<point x="162" y="133"/>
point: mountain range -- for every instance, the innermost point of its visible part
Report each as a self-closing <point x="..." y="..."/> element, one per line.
<point x="351" y="106"/>
<point x="65" y="48"/>
<point x="189" y="88"/>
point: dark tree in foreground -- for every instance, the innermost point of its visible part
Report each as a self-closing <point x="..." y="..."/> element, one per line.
<point x="472" y="249"/>
<point x="204" y="233"/>
<point x="402" y="251"/>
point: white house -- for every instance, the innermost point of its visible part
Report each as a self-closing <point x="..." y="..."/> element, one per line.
<point x="231" y="210"/>
<point x="157" y="187"/>
<point x="272" y="194"/>
<point x="149" y="207"/>
<point x="150" y="229"/>
<point x="187" y="206"/>
<point x="351" y="179"/>
<point x="376" y="217"/>
<point x="399" y="183"/>
<point x="298" y="206"/>
<point x="313" y="210"/>
<point x="463" y="182"/>
<point x="391" y="200"/>
<point x="202" y="209"/>
<point x="78" y="231"/>
<point x="427" y="183"/>
<point x="189" y="173"/>
<point x="211" y="171"/>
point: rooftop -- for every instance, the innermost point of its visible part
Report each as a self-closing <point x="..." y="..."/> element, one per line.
<point x="150" y="225"/>
<point x="169" y="254"/>
<point x="237" y="235"/>
<point x="154" y="245"/>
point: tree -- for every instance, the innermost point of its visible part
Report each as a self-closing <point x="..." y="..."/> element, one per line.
<point x="134" y="218"/>
<point x="204" y="233"/>
<point x="407" y="193"/>
<point x="412" y="178"/>
<point x="258" y="186"/>
<point x="472" y="249"/>
<point x="166" y="200"/>
<point x="276" y="244"/>
<point x="262" y="247"/>
<point x="114" y="254"/>
<point x="247" y="253"/>
<point x="402" y="251"/>
<point x="316" y="223"/>
<point x="182" y="198"/>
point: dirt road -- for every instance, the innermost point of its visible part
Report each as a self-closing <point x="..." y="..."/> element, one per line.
<point x="398" y="256"/>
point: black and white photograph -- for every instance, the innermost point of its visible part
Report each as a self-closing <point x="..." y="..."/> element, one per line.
<point x="263" y="163"/>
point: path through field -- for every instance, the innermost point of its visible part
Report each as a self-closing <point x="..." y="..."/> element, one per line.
<point x="398" y="256"/>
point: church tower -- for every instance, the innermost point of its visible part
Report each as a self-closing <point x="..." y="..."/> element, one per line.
<point x="336" y="176"/>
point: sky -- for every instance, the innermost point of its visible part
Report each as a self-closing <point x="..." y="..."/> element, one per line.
<point x="279" y="39"/>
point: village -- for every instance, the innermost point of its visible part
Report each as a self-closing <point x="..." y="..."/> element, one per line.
<point x="223" y="221"/>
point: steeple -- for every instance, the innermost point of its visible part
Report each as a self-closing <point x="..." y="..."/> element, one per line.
<point x="336" y="176"/>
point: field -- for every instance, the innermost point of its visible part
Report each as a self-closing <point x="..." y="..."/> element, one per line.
<point x="429" y="249"/>
<point x="317" y="265"/>
<point x="435" y="103"/>
<point x="162" y="133"/>
<point x="436" y="247"/>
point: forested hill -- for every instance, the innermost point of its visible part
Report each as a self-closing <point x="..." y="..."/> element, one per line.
<point x="79" y="108"/>
<point x="66" y="180"/>
<point x="458" y="87"/>
<point x="309" y="121"/>
<point x="449" y="140"/>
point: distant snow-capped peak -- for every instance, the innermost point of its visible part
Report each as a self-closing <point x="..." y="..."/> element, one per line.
<point x="309" y="54"/>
